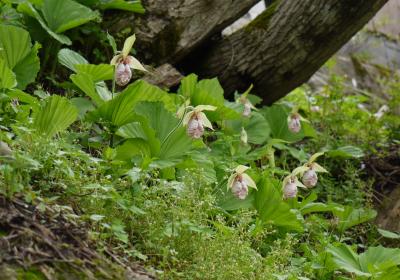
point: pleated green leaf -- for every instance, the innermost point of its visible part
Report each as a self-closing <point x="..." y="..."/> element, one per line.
<point x="62" y="15"/>
<point x="56" y="115"/>
<point x="19" y="56"/>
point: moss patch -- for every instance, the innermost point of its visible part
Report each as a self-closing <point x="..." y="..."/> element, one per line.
<point x="264" y="18"/>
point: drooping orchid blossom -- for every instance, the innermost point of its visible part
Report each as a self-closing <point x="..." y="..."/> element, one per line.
<point x="124" y="62"/>
<point x="309" y="170"/>
<point x="239" y="182"/>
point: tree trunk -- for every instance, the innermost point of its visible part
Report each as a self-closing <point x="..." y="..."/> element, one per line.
<point x="170" y="30"/>
<point x="278" y="51"/>
<point x="284" y="46"/>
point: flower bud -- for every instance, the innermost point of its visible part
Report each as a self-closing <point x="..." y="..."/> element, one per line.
<point x="195" y="128"/>
<point x="294" y="124"/>
<point x="123" y="74"/>
<point x="290" y="189"/>
<point x="239" y="188"/>
<point x="310" y="178"/>
<point x="243" y="136"/>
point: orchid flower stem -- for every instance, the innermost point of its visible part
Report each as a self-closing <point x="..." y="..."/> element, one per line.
<point x="113" y="86"/>
<point x="175" y="128"/>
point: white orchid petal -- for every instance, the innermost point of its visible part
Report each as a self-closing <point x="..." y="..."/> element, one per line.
<point x="187" y="118"/>
<point x="204" y="120"/>
<point x="231" y="180"/>
<point x="128" y="44"/>
<point x="315" y="156"/>
<point x="300" y="184"/>
<point x="286" y="180"/>
<point x="135" y="64"/>
<point x="115" y="59"/>
<point x="319" y="168"/>
<point x="304" y="119"/>
<point x="252" y="106"/>
<point x="240" y="169"/>
<point x="300" y="170"/>
<point x="181" y="111"/>
<point x="249" y="181"/>
<point x="200" y="108"/>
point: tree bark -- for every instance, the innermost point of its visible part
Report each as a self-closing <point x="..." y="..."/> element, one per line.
<point x="284" y="46"/>
<point x="170" y="30"/>
<point x="278" y="51"/>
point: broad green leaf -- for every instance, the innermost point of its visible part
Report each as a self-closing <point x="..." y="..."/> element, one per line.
<point x="15" y="44"/>
<point x="103" y="91"/>
<point x="277" y="116"/>
<point x="27" y="69"/>
<point x="205" y="166"/>
<point x="31" y="11"/>
<point x="132" y="148"/>
<point x="379" y="257"/>
<point x="172" y="136"/>
<point x="10" y="16"/>
<point x="389" y="234"/>
<point x="86" y="84"/>
<point x="119" y="111"/>
<point x="62" y="15"/>
<point x="188" y="85"/>
<point x="176" y="145"/>
<point x="272" y="209"/>
<point x="345" y="258"/>
<point x="314" y="207"/>
<point x="24" y="98"/>
<point x="346" y="152"/>
<point x="7" y="77"/>
<point x="56" y="115"/>
<point x="18" y="54"/>
<point x="375" y="261"/>
<point x="349" y="217"/>
<point x="258" y="129"/>
<point x="83" y="105"/>
<point x="212" y="87"/>
<point x="229" y="202"/>
<point x="101" y="72"/>
<point x="132" y="130"/>
<point x="131" y="6"/>
<point x="140" y="129"/>
<point x="70" y="58"/>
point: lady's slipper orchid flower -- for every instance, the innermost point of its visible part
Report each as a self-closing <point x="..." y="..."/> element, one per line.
<point x="124" y="63"/>
<point x="196" y="120"/>
<point x="294" y="124"/>
<point x="308" y="171"/>
<point x="248" y="106"/>
<point x="290" y="184"/>
<point x="239" y="182"/>
<point x="293" y="121"/>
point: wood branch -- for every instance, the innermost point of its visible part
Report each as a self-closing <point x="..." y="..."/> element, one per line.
<point x="171" y="29"/>
<point x="283" y="46"/>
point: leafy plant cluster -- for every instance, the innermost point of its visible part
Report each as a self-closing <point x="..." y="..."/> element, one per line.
<point x="189" y="183"/>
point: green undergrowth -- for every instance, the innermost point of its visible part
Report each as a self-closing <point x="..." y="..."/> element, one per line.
<point x="186" y="183"/>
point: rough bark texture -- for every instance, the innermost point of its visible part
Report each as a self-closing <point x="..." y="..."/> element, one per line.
<point x="171" y="29"/>
<point x="284" y="46"/>
<point x="276" y="52"/>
